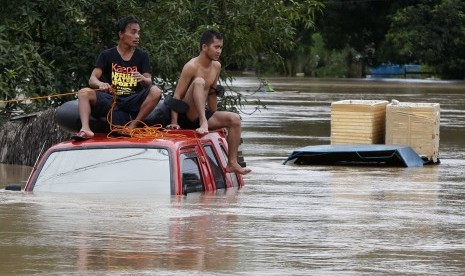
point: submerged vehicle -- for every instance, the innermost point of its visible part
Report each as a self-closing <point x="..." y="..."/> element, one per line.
<point x="174" y="162"/>
<point x="382" y="155"/>
<point x="179" y="163"/>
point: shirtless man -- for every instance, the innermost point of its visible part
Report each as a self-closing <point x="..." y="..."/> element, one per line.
<point x="197" y="86"/>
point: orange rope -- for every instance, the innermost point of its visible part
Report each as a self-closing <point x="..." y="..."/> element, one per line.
<point x="39" y="97"/>
<point x="153" y="132"/>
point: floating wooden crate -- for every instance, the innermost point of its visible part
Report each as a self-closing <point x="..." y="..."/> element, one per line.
<point x="415" y="125"/>
<point x="358" y="122"/>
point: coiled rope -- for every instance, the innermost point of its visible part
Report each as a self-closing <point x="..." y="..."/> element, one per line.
<point x="153" y="132"/>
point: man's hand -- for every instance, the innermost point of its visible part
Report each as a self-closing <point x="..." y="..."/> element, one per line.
<point x="104" y="86"/>
<point x="138" y="76"/>
<point x="145" y="80"/>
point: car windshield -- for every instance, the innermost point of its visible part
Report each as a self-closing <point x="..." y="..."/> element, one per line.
<point x="106" y="170"/>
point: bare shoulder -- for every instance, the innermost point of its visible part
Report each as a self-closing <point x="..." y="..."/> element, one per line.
<point x="217" y="65"/>
<point x="190" y="67"/>
<point x="192" y="63"/>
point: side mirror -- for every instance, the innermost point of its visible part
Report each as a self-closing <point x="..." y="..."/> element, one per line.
<point x="13" y="187"/>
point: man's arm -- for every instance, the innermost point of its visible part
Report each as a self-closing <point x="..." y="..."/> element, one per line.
<point x="187" y="75"/>
<point x="145" y="79"/>
<point x="181" y="89"/>
<point x="212" y="100"/>
<point x="144" y="74"/>
<point x="94" y="80"/>
<point x="148" y="80"/>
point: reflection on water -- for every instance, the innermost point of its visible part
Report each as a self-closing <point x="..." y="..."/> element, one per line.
<point x="13" y="174"/>
<point x="61" y="233"/>
<point x="287" y="220"/>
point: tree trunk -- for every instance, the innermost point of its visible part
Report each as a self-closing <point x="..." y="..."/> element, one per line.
<point x="21" y="140"/>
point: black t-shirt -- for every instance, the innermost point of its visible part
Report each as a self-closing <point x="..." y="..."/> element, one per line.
<point x="117" y="71"/>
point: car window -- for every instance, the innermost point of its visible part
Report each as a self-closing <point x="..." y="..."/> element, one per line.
<point x="107" y="170"/>
<point x="233" y="176"/>
<point x="216" y="169"/>
<point x="191" y="177"/>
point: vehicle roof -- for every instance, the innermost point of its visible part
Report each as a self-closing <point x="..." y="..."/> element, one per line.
<point x="172" y="138"/>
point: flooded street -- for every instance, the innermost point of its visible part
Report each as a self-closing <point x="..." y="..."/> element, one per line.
<point x="287" y="220"/>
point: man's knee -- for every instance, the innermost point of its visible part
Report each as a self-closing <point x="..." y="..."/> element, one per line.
<point x="86" y="94"/>
<point x="234" y="120"/>
<point x="155" y="92"/>
<point x="199" y="82"/>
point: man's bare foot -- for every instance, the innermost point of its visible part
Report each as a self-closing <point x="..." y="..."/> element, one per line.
<point x="132" y="125"/>
<point x="83" y="135"/>
<point x="88" y="132"/>
<point x="237" y="168"/>
<point x="173" y="126"/>
<point x="202" y="129"/>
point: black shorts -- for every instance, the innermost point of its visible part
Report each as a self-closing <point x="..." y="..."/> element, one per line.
<point x="185" y="123"/>
<point x="126" y="109"/>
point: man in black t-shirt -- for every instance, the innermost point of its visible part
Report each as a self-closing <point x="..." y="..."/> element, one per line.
<point x="125" y="71"/>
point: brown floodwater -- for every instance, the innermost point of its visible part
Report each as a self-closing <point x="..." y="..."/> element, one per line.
<point x="287" y="220"/>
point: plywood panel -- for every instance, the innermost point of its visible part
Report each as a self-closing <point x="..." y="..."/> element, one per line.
<point x="358" y="122"/>
<point x="415" y="125"/>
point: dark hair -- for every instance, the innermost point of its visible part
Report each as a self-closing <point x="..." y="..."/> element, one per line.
<point x="124" y="22"/>
<point x="208" y="36"/>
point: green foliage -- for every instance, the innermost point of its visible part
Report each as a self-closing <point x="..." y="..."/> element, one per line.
<point x="42" y="48"/>
<point x="327" y="63"/>
<point x="49" y="47"/>
<point x="357" y="25"/>
<point x="432" y="33"/>
<point x="295" y="58"/>
<point x="173" y="39"/>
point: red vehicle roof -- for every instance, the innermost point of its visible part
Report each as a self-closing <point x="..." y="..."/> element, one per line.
<point x="175" y="140"/>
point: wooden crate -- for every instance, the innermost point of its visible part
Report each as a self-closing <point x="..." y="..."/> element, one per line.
<point x="358" y="122"/>
<point x="415" y="125"/>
